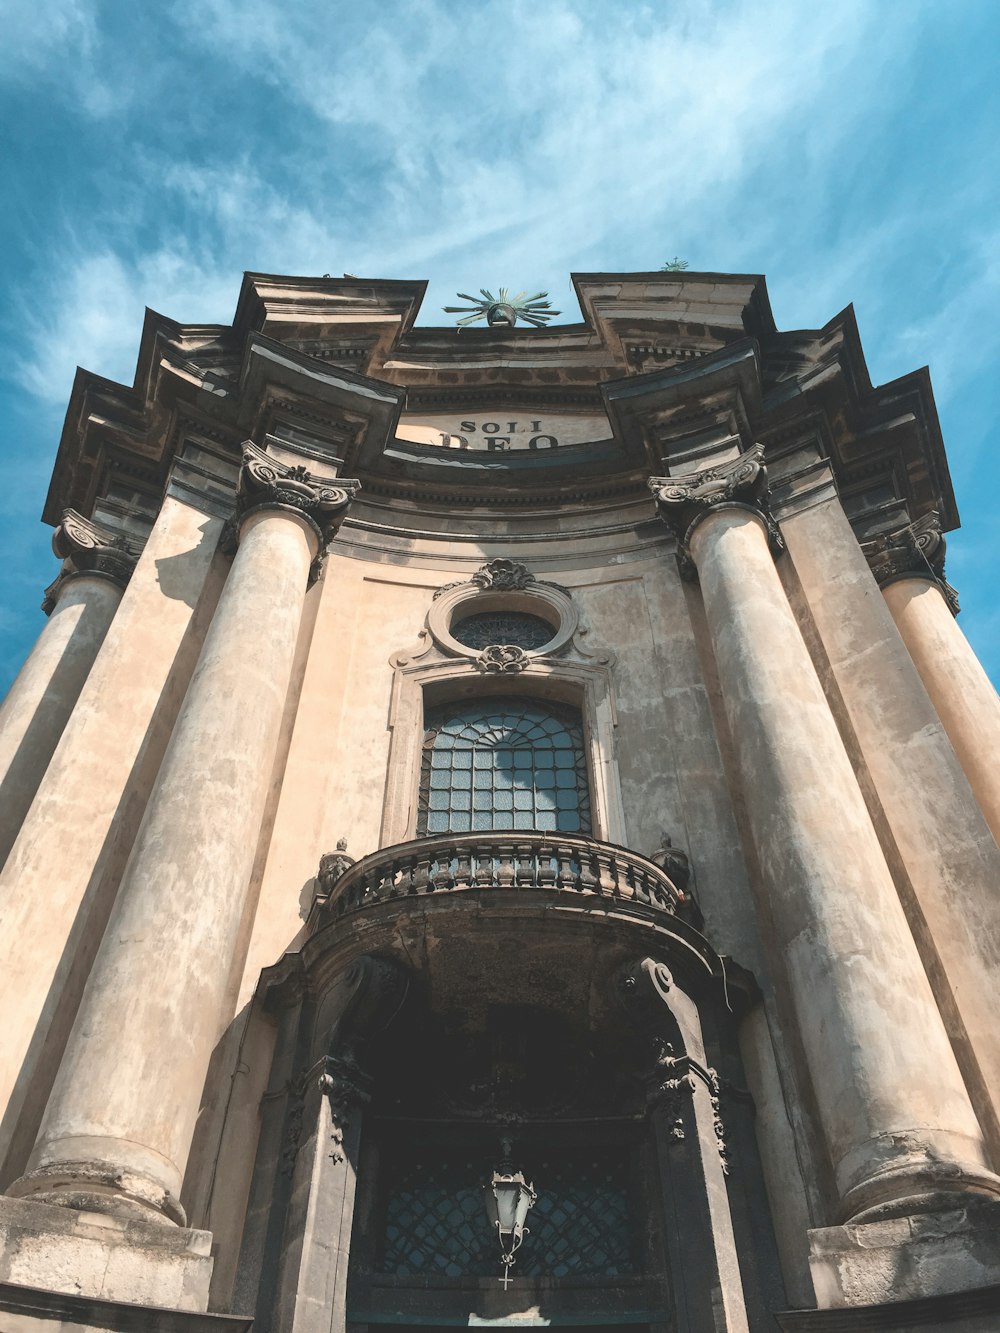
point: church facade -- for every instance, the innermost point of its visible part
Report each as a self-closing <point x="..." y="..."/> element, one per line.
<point x="500" y="827"/>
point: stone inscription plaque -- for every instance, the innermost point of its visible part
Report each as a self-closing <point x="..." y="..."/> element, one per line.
<point x="501" y="430"/>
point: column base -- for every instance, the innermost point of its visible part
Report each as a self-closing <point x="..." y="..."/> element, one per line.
<point x="907" y="1258"/>
<point x="96" y="1187"/>
<point x="95" y="1255"/>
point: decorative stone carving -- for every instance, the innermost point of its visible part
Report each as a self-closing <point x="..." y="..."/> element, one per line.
<point x="505" y="658"/>
<point x="645" y="988"/>
<point x="682" y="502"/>
<point x="673" y="862"/>
<point x="914" y="551"/>
<point x="502" y="576"/>
<point x="89" y="549"/>
<point x="265" y="483"/>
<point x="332" y="865"/>
<point x="497" y="575"/>
<point x="345" y="1086"/>
<point x="667" y="1086"/>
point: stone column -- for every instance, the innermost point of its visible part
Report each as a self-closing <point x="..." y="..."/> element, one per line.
<point x="80" y="605"/>
<point x="61" y="876"/>
<point x="895" y="1113"/>
<point x="119" y="1123"/>
<point x="909" y="565"/>
<point x="944" y="857"/>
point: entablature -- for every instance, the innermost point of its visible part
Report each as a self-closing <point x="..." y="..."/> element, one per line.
<point x="500" y="420"/>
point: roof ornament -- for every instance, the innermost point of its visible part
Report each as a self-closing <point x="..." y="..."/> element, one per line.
<point x="674" y="265"/>
<point x="504" y="309"/>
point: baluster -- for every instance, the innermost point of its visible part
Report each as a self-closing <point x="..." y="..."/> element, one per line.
<point x="402" y="869"/>
<point x="443" y="877"/>
<point x="609" y="875"/>
<point x="485" y="869"/>
<point x="644" y="885"/>
<point x="547" y="865"/>
<point x="505" y="865"/>
<point x="566" y="875"/>
<point x="421" y="873"/>
<point x="525" y="874"/>
<point x="463" y="868"/>
<point x="589" y="871"/>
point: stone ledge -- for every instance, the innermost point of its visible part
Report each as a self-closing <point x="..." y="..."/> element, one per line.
<point x="97" y="1257"/>
<point x="953" y="1254"/>
<point x="957" y="1312"/>
<point x="27" y="1309"/>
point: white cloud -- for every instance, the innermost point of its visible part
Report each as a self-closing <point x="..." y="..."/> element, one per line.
<point x="91" y="314"/>
<point x="57" y="42"/>
<point x="536" y="133"/>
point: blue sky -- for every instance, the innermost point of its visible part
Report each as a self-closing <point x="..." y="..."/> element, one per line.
<point x="152" y="152"/>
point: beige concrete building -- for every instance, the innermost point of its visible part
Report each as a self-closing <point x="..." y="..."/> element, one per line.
<point x="513" y="769"/>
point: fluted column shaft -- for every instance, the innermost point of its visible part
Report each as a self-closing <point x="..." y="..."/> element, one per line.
<point x="80" y="604"/>
<point x="119" y="1123"/>
<point x="962" y="693"/>
<point x="895" y="1112"/>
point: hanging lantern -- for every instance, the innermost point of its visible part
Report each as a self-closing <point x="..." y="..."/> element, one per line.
<point x="508" y="1197"/>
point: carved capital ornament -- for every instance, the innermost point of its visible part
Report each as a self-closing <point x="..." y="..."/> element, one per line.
<point x="87" y="548"/>
<point x="682" y="502"/>
<point x="265" y="483"/>
<point x="914" y="551"/>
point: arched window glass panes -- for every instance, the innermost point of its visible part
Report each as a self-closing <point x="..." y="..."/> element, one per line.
<point x="517" y="627"/>
<point x="503" y="763"/>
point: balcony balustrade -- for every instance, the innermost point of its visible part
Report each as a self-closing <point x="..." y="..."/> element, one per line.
<point x="501" y="863"/>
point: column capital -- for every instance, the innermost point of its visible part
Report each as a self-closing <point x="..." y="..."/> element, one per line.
<point x="266" y="483"/>
<point x="682" y="502"/>
<point x="915" y="551"/>
<point x="87" y="548"/>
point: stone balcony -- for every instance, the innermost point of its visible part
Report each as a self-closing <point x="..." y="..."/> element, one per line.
<point x="512" y="864"/>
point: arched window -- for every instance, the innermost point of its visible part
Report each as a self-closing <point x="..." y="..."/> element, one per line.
<point x="503" y="763"/>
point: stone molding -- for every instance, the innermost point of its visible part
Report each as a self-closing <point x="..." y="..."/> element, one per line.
<point x="88" y="548"/>
<point x="682" y="502"/>
<point x="915" y="551"/>
<point x="502" y="585"/>
<point x="503" y="659"/>
<point x="267" y="484"/>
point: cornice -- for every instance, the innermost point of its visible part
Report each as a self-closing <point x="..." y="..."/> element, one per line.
<point x="731" y="374"/>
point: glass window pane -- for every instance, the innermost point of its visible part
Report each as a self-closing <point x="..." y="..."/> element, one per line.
<point x="517" y="753"/>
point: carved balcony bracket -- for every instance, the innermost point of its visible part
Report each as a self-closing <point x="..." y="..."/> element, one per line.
<point x="87" y="548"/>
<point x="914" y="551"/>
<point x="679" y="1069"/>
<point x="682" y="502"/>
<point x="265" y="483"/>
